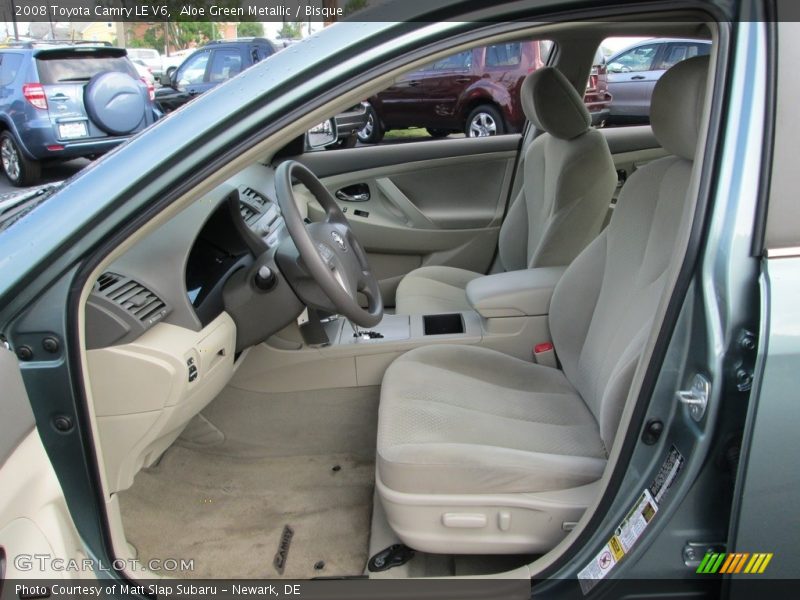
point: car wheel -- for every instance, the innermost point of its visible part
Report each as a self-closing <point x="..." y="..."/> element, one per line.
<point x="438" y="133"/>
<point x="372" y="132"/>
<point x="20" y="170"/>
<point x="484" y="121"/>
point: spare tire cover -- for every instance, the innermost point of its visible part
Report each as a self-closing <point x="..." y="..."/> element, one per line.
<point x="114" y="102"/>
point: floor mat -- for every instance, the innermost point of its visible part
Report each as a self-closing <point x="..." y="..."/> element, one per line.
<point x="228" y="513"/>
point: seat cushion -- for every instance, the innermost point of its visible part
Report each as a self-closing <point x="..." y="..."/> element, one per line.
<point x="466" y="420"/>
<point x="431" y="290"/>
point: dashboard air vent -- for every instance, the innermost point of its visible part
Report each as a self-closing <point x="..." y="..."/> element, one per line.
<point x="132" y="296"/>
<point x="106" y="280"/>
<point x="249" y="215"/>
<point x="249" y="194"/>
<point x="252" y="204"/>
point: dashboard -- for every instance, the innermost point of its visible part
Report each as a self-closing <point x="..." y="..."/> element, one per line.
<point x="177" y="274"/>
<point x="166" y="323"/>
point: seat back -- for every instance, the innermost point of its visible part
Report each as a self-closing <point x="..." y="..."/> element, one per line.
<point x="603" y="308"/>
<point x="568" y="178"/>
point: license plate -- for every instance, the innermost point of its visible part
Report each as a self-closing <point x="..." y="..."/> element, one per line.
<point x="72" y="130"/>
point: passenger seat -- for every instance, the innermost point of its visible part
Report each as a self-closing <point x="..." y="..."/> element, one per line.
<point x="568" y="180"/>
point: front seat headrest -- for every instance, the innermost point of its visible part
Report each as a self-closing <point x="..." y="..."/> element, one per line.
<point x="676" y="111"/>
<point x="551" y="103"/>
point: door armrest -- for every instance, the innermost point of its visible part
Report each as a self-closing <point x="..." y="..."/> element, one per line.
<point x="515" y="293"/>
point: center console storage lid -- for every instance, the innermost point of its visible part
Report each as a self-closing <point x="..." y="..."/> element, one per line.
<point x="515" y="293"/>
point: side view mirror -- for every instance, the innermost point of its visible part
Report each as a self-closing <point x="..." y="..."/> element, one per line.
<point x="322" y="135"/>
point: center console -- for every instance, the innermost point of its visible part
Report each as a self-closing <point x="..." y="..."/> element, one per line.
<point x="510" y="315"/>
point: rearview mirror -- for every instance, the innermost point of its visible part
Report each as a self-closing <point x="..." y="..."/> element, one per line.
<point x="322" y="135"/>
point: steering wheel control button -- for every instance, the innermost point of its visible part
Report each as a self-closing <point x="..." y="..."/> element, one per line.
<point x="265" y="279"/>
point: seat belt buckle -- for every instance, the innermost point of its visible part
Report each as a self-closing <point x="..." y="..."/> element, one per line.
<point x="544" y="354"/>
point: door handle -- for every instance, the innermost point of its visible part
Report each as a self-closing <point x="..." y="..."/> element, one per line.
<point x="362" y="197"/>
<point x="358" y="192"/>
<point x="462" y="80"/>
<point x="413" y="83"/>
<point x="638" y="77"/>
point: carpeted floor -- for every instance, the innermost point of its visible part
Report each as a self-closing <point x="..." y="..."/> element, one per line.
<point x="226" y="505"/>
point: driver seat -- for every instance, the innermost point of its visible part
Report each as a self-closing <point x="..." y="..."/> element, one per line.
<point x="479" y="452"/>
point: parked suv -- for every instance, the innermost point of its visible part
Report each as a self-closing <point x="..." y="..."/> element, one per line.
<point x="209" y="66"/>
<point x="59" y="102"/>
<point x="633" y="72"/>
<point x="475" y="92"/>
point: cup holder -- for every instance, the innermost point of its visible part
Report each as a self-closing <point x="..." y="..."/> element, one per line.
<point x="449" y="324"/>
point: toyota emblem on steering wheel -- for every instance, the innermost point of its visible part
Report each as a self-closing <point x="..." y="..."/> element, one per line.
<point x="339" y="240"/>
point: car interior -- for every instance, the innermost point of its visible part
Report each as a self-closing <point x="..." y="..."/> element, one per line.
<point x="409" y="360"/>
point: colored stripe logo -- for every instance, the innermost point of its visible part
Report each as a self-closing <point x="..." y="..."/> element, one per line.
<point x="734" y="562"/>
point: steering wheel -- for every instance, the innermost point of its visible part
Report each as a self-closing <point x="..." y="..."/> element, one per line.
<point x="329" y="251"/>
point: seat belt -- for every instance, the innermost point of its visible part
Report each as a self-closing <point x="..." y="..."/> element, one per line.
<point x="528" y="135"/>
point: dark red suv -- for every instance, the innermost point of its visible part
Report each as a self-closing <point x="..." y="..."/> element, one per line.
<point x="475" y="92"/>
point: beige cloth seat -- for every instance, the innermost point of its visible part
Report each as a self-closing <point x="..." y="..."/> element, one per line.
<point x="480" y="452"/>
<point x="568" y="179"/>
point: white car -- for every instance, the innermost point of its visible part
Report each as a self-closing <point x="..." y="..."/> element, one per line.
<point x="144" y="71"/>
<point x="150" y="58"/>
<point x="173" y="61"/>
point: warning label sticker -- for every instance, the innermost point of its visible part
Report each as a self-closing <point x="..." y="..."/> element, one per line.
<point x="625" y="536"/>
<point x="634" y="523"/>
<point x="667" y="474"/>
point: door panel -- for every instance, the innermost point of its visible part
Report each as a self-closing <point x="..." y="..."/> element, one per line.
<point x="34" y="519"/>
<point x="430" y="203"/>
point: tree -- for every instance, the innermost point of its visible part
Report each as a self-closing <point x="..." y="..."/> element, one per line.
<point x="250" y="29"/>
<point x="353" y="6"/>
<point x="291" y="30"/>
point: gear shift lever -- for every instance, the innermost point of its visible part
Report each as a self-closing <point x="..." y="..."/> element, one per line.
<point x="364" y="334"/>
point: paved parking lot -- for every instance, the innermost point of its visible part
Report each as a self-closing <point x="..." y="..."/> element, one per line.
<point x="54" y="173"/>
